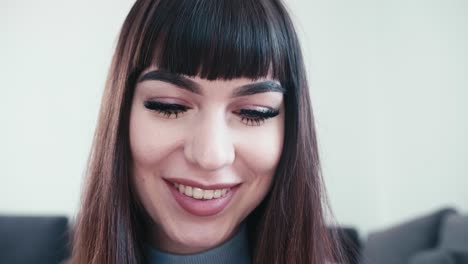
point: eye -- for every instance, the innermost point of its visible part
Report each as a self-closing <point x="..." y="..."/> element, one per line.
<point x="256" y="117"/>
<point x="167" y="110"/>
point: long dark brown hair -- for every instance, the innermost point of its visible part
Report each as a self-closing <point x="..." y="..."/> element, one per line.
<point x="213" y="39"/>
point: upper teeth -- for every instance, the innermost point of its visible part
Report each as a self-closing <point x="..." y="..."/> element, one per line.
<point x="199" y="193"/>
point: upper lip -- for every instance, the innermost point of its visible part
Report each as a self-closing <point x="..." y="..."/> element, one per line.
<point x="193" y="183"/>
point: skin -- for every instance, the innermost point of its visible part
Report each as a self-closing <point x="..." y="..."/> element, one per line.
<point x="209" y="144"/>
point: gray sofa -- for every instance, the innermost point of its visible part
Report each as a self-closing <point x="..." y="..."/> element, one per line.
<point x="33" y="239"/>
<point x="437" y="238"/>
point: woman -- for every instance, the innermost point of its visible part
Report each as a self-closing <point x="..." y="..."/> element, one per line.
<point x="205" y="148"/>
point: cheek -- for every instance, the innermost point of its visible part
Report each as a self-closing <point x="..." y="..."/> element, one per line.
<point x="149" y="143"/>
<point x="264" y="147"/>
<point x="261" y="150"/>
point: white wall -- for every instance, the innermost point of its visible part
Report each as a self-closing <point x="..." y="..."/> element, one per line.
<point x="389" y="85"/>
<point x="54" y="60"/>
<point x="388" y="79"/>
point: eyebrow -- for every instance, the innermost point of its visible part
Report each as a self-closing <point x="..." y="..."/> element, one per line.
<point x="183" y="82"/>
<point x="258" y="87"/>
<point x="175" y="79"/>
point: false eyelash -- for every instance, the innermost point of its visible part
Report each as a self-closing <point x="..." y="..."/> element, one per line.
<point x="167" y="110"/>
<point x="249" y="117"/>
<point x="256" y="117"/>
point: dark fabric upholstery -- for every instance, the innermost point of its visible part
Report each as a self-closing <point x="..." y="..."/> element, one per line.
<point x="433" y="257"/>
<point x="396" y="245"/>
<point x="454" y="233"/>
<point x="461" y="257"/>
<point x="27" y="240"/>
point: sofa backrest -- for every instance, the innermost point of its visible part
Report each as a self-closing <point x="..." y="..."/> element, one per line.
<point x="28" y="239"/>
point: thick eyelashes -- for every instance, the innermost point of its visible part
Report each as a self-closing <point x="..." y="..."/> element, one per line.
<point x="256" y="117"/>
<point x="167" y="110"/>
<point x="250" y="117"/>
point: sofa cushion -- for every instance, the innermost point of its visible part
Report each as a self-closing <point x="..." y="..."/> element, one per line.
<point x="33" y="239"/>
<point x="461" y="256"/>
<point x="454" y="233"/>
<point x="397" y="244"/>
<point x="433" y="257"/>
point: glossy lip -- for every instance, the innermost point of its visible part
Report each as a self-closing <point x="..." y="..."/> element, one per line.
<point x="202" y="207"/>
<point x="192" y="183"/>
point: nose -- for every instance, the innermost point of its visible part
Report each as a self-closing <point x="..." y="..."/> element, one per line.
<point x="210" y="145"/>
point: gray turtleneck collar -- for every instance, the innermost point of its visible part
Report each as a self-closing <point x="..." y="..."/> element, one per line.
<point x="233" y="251"/>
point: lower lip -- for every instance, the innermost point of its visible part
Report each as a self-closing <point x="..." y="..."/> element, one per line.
<point x="202" y="207"/>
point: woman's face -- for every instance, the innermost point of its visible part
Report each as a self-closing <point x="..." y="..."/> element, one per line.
<point x="203" y="154"/>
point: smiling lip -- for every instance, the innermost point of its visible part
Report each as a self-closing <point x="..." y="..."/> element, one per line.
<point x="201" y="207"/>
<point x="188" y="182"/>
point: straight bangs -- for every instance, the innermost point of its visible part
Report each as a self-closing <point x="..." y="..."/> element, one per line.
<point x="219" y="39"/>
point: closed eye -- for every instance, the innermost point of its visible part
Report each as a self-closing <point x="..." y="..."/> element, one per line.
<point x="166" y="109"/>
<point x="250" y="117"/>
<point x="256" y="117"/>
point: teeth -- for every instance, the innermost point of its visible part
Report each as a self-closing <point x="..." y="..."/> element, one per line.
<point x="199" y="193"/>
<point x="181" y="188"/>
<point x="208" y="194"/>
<point x="188" y="191"/>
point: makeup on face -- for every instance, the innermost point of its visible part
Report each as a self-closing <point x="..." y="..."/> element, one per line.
<point x="201" y="200"/>
<point x="204" y="153"/>
<point x="253" y="116"/>
<point x="183" y="82"/>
